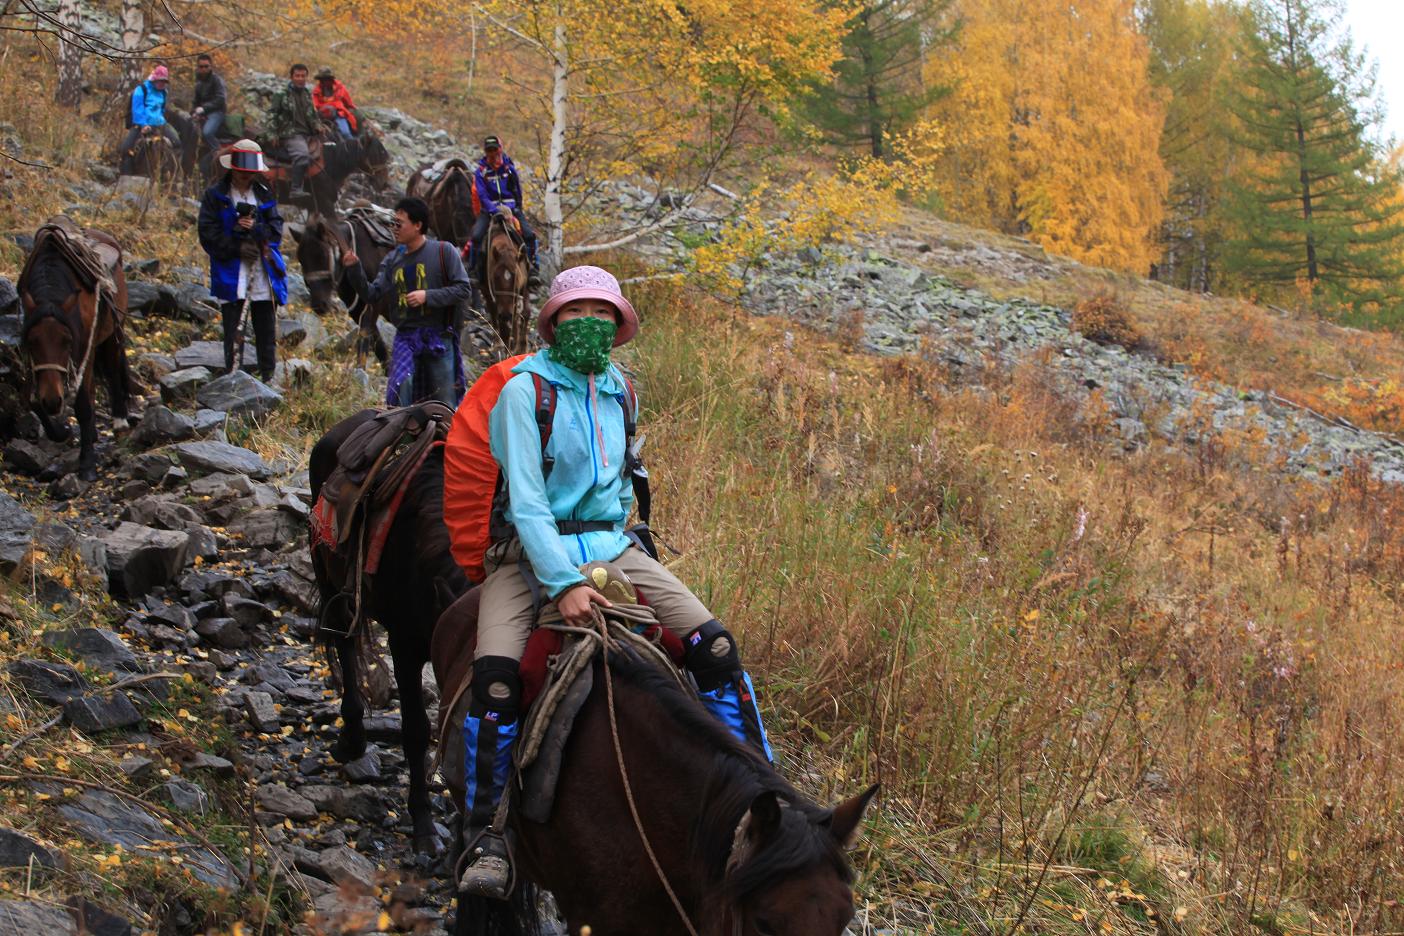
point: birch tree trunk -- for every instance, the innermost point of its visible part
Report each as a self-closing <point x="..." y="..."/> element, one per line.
<point x="70" y="55"/>
<point x="133" y="31"/>
<point x="556" y="157"/>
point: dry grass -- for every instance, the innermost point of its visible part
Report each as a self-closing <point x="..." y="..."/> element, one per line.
<point x="1146" y="692"/>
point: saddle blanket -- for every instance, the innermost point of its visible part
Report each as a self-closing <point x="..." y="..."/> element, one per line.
<point x="436" y="172"/>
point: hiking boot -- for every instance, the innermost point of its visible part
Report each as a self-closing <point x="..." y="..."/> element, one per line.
<point x="534" y="277"/>
<point x="488" y="873"/>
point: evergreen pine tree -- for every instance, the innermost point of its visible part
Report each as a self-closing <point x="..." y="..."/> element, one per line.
<point x="1316" y="206"/>
<point x="877" y="88"/>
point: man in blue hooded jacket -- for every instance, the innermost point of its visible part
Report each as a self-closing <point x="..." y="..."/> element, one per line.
<point x="562" y="519"/>
<point x="497" y="189"/>
<point x="148" y="109"/>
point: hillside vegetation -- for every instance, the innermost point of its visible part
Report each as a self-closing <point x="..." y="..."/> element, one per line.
<point x="1145" y="691"/>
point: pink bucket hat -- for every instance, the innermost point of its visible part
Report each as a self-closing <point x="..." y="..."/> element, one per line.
<point x="159" y="73"/>
<point x="586" y="282"/>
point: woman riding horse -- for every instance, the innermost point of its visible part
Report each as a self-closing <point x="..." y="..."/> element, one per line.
<point x="561" y="518"/>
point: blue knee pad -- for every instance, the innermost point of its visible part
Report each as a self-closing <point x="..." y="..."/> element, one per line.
<point x="489" y="730"/>
<point x="725" y="689"/>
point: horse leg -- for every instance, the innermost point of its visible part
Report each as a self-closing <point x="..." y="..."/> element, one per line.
<point x="111" y="361"/>
<point x="87" y="430"/>
<point x="351" y="742"/>
<point x="414" y="735"/>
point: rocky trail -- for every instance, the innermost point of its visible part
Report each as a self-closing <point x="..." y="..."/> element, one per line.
<point x="203" y="544"/>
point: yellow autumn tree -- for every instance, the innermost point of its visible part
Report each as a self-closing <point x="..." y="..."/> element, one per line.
<point x="1054" y="129"/>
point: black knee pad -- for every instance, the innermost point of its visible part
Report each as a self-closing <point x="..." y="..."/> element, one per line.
<point x="497" y="689"/>
<point x="711" y="656"/>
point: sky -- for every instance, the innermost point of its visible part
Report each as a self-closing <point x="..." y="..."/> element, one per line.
<point x="1377" y="25"/>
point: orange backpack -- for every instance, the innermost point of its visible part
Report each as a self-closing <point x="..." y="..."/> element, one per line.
<point x="473" y="486"/>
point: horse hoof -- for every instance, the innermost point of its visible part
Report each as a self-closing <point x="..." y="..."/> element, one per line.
<point x="429" y="845"/>
<point x="344" y="751"/>
<point x="87" y="474"/>
<point x="120" y="425"/>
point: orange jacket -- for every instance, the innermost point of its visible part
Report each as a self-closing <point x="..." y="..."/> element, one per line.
<point x="340" y="99"/>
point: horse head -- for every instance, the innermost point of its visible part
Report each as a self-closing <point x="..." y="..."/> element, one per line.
<point x="49" y="339"/>
<point x="375" y="158"/>
<point x="787" y="874"/>
<point x="318" y="258"/>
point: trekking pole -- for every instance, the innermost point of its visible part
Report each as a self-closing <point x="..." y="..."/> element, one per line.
<point x="239" y="322"/>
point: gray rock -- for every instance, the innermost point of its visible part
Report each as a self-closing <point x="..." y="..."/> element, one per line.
<point x="364" y="769"/>
<point x="103" y="817"/>
<point x="263" y="714"/>
<point x="186" y="796"/>
<point x="140" y="558"/>
<point x="163" y="512"/>
<point x="248" y="612"/>
<point x="136" y="768"/>
<point x="56" y="683"/>
<point x="203" y="542"/>
<point x="210" y="355"/>
<point x="94" y="920"/>
<point x="68" y="487"/>
<point x="294" y="372"/>
<point x="202" y="760"/>
<point x="180" y="386"/>
<point x="16" y="533"/>
<point x="145" y="299"/>
<point x="160" y="425"/>
<point x="239" y="394"/>
<point x="193" y="300"/>
<point x="224" y="632"/>
<point x="94" y="713"/>
<point x="281" y="801"/>
<point x="291" y="331"/>
<point x="271" y="527"/>
<point x="31" y="918"/>
<point x="97" y="647"/>
<point x="220" y="486"/>
<point x="339" y="865"/>
<point x="16" y="850"/>
<point x="207" y="457"/>
<point x="26" y="457"/>
<point x="211" y="423"/>
<point x="9" y="297"/>
<point x="150" y="467"/>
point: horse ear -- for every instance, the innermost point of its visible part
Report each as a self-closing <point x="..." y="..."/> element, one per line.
<point x="848" y="816"/>
<point x="29" y="303"/>
<point x="763" y="820"/>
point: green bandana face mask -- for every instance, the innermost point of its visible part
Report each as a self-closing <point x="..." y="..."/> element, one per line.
<point x="583" y="344"/>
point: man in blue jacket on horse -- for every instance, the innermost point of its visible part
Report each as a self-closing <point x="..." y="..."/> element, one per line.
<point x="497" y="189"/>
<point x="561" y="519"/>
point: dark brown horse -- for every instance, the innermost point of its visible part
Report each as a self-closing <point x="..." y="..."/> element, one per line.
<point x="333" y="161"/>
<point x="404" y="595"/>
<point x="320" y="245"/>
<point x="745" y="853"/>
<point x="449" y="195"/>
<point x="153" y="156"/>
<point x="506" y="296"/>
<point x="72" y="331"/>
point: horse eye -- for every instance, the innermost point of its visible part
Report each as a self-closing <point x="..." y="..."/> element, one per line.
<point x="766" y="928"/>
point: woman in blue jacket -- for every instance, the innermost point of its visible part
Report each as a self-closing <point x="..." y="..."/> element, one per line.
<point x="573" y="515"/>
<point x="241" y="230"/>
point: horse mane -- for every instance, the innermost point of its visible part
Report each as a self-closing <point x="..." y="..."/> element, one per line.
<point x="49" y="278"/>
<point x="736" y="778"/>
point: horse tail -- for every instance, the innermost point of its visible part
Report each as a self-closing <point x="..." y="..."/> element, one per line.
<point x="518" y="915"/>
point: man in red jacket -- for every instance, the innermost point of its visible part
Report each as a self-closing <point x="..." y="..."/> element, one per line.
<point x="331" y="93"/>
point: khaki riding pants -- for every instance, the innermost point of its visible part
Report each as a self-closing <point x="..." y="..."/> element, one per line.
<point x="506" y="614"/>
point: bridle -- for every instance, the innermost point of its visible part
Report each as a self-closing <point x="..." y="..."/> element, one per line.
<point x="516" y="294"/>
<point x="73" y="378"/>
<point x="335" y="271"/>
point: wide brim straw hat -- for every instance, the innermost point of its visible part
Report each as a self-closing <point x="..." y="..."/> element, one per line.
<point x="586" y="282"/>
<point x="324" y="72"/>
<point x="245" y="155"/>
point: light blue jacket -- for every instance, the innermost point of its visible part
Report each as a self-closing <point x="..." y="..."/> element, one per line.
<point x="584" y="484"/>
<point x="148" y="105"/>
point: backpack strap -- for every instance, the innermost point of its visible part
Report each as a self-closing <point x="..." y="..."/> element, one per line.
<point x="545" y="418"/>
<point x="634" y="469"/>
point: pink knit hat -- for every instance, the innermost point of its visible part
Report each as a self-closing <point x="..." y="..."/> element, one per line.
<point x="159" y="73"/>
<point x="586" y="282"/>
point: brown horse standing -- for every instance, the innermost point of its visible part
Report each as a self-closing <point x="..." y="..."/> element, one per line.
<point x="449" y="196"/>
<point x="72" y="330"/>
<point x="506" y="295"/>
<point x="744" y="852"/>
